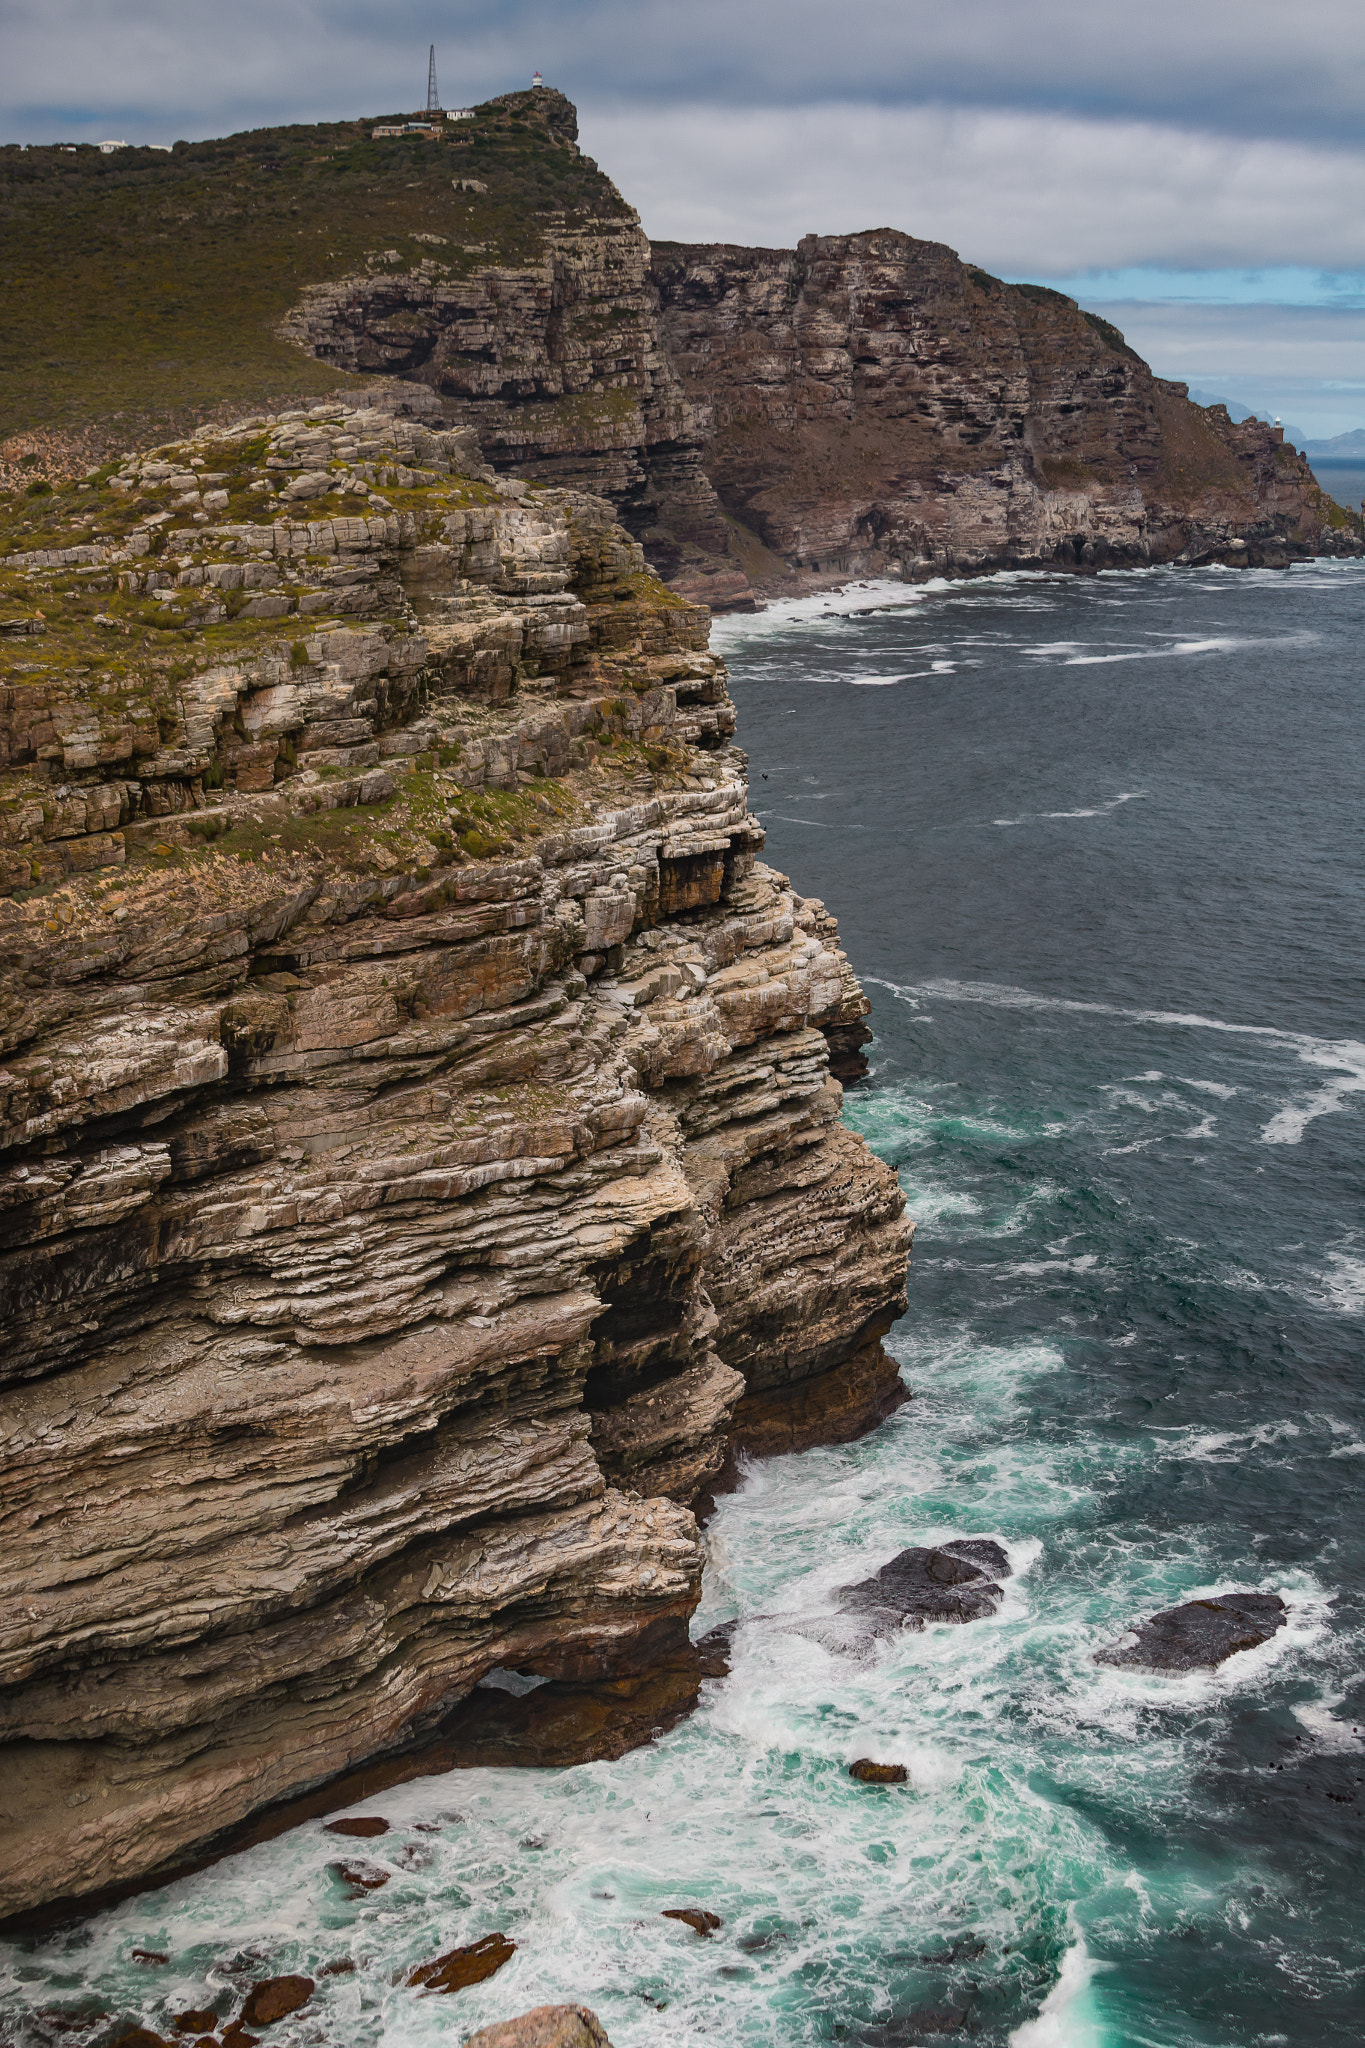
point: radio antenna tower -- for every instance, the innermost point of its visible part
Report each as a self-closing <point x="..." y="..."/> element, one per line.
<point x="433" y="97"/>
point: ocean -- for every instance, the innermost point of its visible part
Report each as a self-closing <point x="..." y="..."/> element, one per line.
<point x="1097" y="851"/>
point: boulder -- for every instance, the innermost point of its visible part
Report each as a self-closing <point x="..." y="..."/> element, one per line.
<point x="274" y="1998"/>
<point x="954" y="1582"/>
<point x="547" y="2026"/>
<point x="1200" y="1635"/>
<point x="361" y="1877"/>
<point x="361" y="1825"/>
<point x="695" y="1917"/>
<point x="868" y="1773"/>
<point x="459" y="1967"/>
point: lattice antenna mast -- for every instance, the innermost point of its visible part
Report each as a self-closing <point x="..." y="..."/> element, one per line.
<point x="433" y="97"/>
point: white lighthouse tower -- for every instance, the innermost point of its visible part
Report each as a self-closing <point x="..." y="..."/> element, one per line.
<point x="536" y="81"/>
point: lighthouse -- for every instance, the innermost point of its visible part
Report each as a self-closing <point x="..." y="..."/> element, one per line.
<point x="536" y="81"/>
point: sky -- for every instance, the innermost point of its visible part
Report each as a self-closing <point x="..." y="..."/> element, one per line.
<point x="1193" y="168"/>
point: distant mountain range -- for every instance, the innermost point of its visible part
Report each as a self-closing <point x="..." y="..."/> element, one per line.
<point x="1341" y="448"/>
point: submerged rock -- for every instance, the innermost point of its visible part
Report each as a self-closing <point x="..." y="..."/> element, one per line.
<point x="546" y="2026"/>
<point x="868" y="1773"/>
<point x="361" y="1877"/>
<point x="459" y="1967"/>
<point x="361" y="1825"/>
<point x="1200" y="1635"/>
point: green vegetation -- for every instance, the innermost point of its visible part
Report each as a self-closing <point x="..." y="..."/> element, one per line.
<point x="1111" y="334"/>
<point x="142" y="290"/>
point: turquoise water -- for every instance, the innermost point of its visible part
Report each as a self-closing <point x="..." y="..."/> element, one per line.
<point x="1096" y="846"/>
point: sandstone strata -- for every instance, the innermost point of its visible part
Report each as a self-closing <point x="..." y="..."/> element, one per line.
<point x="880" y="407"/>
<point x="418" y="1131"/>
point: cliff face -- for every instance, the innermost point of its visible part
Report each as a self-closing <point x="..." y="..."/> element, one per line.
<point x="554" y="359"/>
<point x="880" y="406"/>
<point x="421" y="1162"/>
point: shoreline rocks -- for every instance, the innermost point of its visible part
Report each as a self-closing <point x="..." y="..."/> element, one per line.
<point x="1199" y="1636"/>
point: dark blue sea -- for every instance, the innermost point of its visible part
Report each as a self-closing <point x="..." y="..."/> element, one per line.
<point x="1097" y="850"/>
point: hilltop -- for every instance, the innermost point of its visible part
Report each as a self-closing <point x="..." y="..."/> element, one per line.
<point x="144" y="291"/>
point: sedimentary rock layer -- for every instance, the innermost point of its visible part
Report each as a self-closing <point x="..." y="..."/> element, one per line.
<point x="417" y="1133"/>
<point x="880" y="406"/>
<point x="555" y="361"/>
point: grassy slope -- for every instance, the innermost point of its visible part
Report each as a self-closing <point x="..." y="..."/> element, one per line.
<point x="142" y="290"/>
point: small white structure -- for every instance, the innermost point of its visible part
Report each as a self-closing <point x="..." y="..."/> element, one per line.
<point x="459" y="113"/>
<point x="390" y="128"/>
<point x="536" y="81"/>
<point x="108" y="148"/>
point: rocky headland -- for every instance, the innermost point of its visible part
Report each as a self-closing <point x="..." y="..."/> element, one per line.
<point x="880" y="407"/>
<point x="422" y="1167"/>
<point x="760" y="420"/>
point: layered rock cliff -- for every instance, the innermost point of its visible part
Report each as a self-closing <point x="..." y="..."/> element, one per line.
<point x="879" y="406"/>
<point x="420" y="1167"/>
<point x="553" y="358"/>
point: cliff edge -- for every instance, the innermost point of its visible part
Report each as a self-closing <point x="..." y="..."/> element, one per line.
<point x="421" y="1168"/>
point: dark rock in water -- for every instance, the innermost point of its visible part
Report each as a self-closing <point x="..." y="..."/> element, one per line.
<point x="955" y="1582"/>
<point x="149" y="1955"/>
<point x="361" y="1877"/>
<point x="1199" y="1635"/>
<point x="202" y="2022"/>
<point x="344" y="1966"/>
<point x="362" y="1825"/>
<point x="140" y="2037"/>
<point x="236" y="2036"/>
<point x="868" y="1773"/>
<point x="461" y="1966"/>
<point x="274" y="1998"/>
<point x="548" y="2026"/>
<point x="713" y="1649"/>
<point x="695" y="1917"/>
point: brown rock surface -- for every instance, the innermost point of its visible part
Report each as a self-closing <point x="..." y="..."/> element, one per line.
<point x="881" y="407"/>
<point x="547" y="2026"/>
<point x="460" y="1967"/>
<point x="695" y="1917"/>
<point x="554" y="361"/>
<point x="274" y="1998"/>
<point x="417" y="1137"/>
<point x="869" y="1773"/>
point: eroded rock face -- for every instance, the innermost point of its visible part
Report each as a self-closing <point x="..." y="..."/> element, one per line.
<point x="955" y="1582"/>
<point x="881" y="407"/>
<point x="555" y="362"/>
<point x="417" y="1139"/>
<point x="1200" y="1635"/>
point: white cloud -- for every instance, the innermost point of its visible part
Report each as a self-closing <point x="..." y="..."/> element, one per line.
<point x="1305" y="362"/>
<point x="1020" y="192"/>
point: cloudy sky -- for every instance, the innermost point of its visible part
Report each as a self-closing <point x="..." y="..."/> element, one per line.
<point x="1196" y="168"/>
